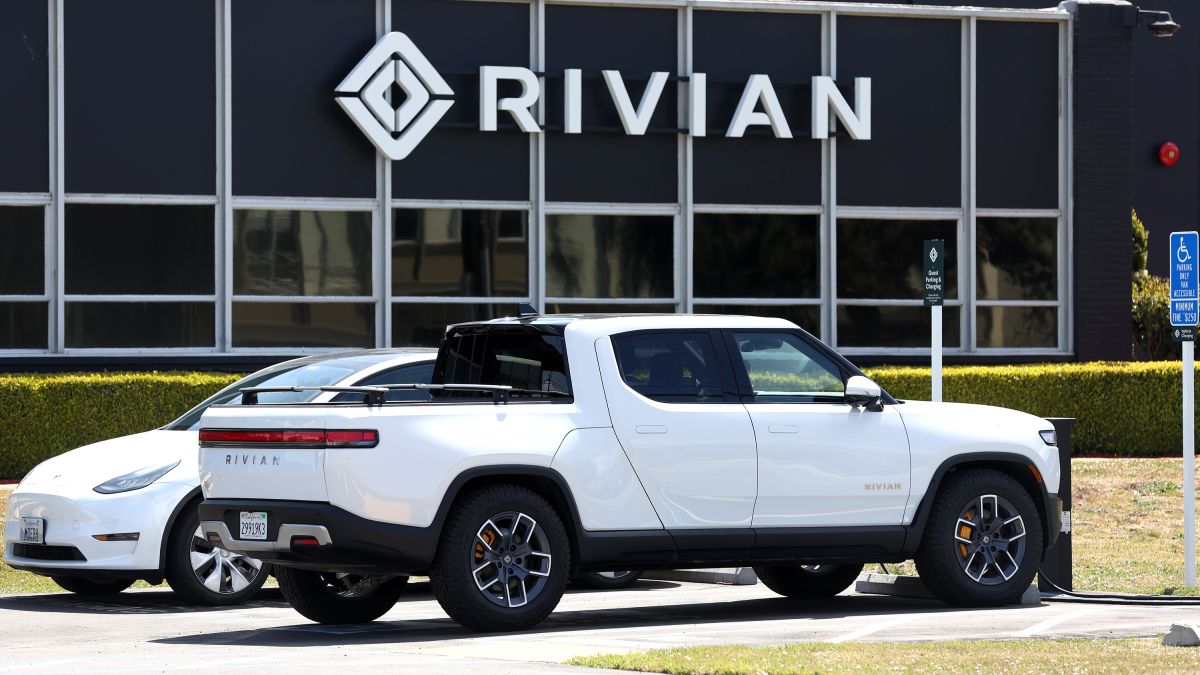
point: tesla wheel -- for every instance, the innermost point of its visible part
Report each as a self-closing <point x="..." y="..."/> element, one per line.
<point x="983" y="542"/>
<point x="203" y="574"/>
<point x="335" y="598"/>
<point x="808" y="581"/>
<point x="85" y="586"/>
<point x="503" y="559"/>
<point x="607" y="580"/>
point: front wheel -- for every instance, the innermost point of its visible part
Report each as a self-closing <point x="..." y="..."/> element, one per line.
<point x="334" y="598"/>
<point x="983" y="541"/>
<point x="808" y="581"/>
<point x="502" y="561"/>
<point x="85" y="586"/>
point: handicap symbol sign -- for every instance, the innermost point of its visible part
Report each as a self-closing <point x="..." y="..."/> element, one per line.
<point x="1185" y="286"/>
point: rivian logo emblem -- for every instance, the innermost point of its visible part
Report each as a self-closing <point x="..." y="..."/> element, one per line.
<point x="394" y="61"/>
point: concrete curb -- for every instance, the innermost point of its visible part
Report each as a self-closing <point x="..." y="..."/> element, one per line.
<point x="734" y="576"/>
<point x="913" y="587"/>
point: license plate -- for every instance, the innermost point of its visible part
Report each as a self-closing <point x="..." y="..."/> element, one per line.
<point x="253" y="525"/>
<point x="33" y="530"/>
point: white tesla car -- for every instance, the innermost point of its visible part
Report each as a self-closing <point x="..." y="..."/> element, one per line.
<point x="100" y="517"/>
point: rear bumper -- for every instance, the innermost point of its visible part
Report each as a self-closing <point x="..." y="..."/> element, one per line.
<point x="346" y="542"/>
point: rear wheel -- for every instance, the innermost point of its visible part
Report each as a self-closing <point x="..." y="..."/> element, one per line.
<point x="85" y="586"/>
<point x="503" y="559"/>
<point x="607" y="580"/>
<point x="204" y="574"/>
<point x="808" y="581"/>
<point x="334" y="598"/>
<point x="983" y="542"/>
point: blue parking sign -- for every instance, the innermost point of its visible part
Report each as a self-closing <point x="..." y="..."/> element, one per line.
<point x="1185" y="247"/>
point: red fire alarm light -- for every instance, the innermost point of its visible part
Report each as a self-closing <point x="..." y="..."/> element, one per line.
<point x="1168" y="154"/>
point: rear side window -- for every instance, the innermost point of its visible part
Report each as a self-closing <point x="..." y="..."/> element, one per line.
<point x="522" y="359"/>
<point x="670" y="367"/>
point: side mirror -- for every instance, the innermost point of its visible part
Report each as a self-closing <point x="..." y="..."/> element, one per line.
<point x="861" y="391"/>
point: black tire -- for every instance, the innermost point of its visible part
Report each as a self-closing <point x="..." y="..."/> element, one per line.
<point x="85" y="586"/>
<point x="326" y="597"/>
<point x="607" y="581"/>
<point x="516" y="547"/>
<point x="808" y="581"/>
<point x="954" y="552"/>
<point x="237" y="578"/>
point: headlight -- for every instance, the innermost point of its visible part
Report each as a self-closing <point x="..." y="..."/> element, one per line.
<point x="136" y="480"/>
<point x="1049" y="437"/>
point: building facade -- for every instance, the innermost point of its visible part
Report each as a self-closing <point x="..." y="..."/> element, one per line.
<point x="221" y="181"/>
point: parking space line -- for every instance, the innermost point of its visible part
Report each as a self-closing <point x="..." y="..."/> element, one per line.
<point x="873" y="628"/>
<point x="1043" y="626"/>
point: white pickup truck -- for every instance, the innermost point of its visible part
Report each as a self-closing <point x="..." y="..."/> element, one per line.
<point x="559" y="444"/>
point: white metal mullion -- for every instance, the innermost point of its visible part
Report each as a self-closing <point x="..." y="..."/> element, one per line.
<point x="609" y="301"/>
<point x="1017" y="213"/>
<point x="41" y="297"/>
<point x="829" y="189"/>
<point x="765" y="209"/>
<point x="1066" y="200"/>
<point x="381" y="238"/>
<point x="220" y="324"/>
<point x="138" y="199"/>
<point x="304" y="299"/>
<point x="899" y="213"/>
<point x="28" y="198"/>
<point x="685" y="245"/>
<point x="56" y="253"/>
<point x="225" y="188"/>
<point x="763" y="302"/>
<point x="144" y="297"/>
<point x="537" y="164"/>
<point x="611" y="209"/>
<point x="966" y="285"/>
<point x="464" y="204"/>
<point x="304" y="203"/>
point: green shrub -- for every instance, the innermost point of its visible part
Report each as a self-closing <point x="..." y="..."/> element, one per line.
<point x="1141" y="244"/>
<point x="1151" y="318"/>
<point x="45" y="415"/>
<point x="1129" y="409"/>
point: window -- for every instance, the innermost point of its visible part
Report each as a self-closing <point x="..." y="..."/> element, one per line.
<point x="460" y="252"/>
<point x="1016" y="282"/>
<point x="419" y="373"/>
<point x="303" y="324"/>
<point x="23" y="322"/>
<point x="522" y="359"/>
<point x="670" y="367"/>
<point x="423" y="324"/>
<point x="756" y="256"/>
<point x="114" y="325"/>
<point x="807" y="317"/>
<point x="783" y="367"/>
<point x="609" y="256"/>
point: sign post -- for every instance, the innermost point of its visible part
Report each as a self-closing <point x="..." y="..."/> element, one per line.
<point x="1185" y="313"/>
<point x="933" y="259"/>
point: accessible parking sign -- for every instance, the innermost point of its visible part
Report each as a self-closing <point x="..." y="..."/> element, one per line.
<point x="1185" y="300"/>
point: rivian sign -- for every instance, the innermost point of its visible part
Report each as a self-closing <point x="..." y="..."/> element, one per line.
<point x="396" y="131"/>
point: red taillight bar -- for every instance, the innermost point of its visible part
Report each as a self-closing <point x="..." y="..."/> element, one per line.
<point x="307" y="438"/>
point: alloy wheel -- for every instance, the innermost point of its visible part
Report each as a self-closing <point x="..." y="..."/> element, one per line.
<point x="989" y="540"/>
<point x="221" y="571"/>
<point x="510" y="559"/>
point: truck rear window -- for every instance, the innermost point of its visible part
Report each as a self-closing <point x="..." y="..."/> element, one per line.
<point x="524" y="359"/>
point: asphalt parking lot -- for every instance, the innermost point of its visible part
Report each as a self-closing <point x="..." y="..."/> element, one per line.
<point x="147" y="631"/>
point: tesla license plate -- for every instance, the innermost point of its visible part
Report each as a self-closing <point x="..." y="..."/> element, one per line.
<point x="253" y="525"/>
<point x="33" y="531"/>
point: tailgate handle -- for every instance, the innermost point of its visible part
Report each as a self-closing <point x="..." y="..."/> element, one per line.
<point x="651" y="429"/>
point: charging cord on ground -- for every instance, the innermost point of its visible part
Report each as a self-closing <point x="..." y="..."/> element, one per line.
<point x="1120" y="598"/>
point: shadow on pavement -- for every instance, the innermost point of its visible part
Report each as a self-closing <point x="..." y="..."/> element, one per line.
<point x="566" y="621"/>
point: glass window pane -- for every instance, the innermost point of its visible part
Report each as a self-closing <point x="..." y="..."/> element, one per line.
<point x="807" y="317"/>
<point x="23" y="325"/>
<point x="140" y="324"/>
<point x="670" y="367"/>
<point x="893" y="326"/>
<point x="583" y="308"/>
<point x="1016" y="327"/>
<point x="286" y="252"/>
<point x="882" y="258"/>
<point x="22" y="238"/>
<point x="460" y="252"/>
<point x="520" y="358"/>
<point x="128" y="249"/>
<point x="783" y="367"/>
<point x="300" y="324"/>
<point x="424" y="325"/>
<point x="1016" y="258"/>
<point x="602" y="256"/>
<point x="421" y="373"/>
<point x="756" y="256"/>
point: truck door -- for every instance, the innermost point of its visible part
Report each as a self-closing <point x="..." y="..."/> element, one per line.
<point x="673" y="403"/>
<point x="821" y="463"/>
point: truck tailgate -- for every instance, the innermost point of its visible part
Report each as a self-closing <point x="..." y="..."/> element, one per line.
<point x="272" y="465"/>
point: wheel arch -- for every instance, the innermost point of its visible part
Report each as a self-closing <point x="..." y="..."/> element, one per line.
<point x="192" y="498"/>
<point x="1018" y="467"/>
<point x="545" y="482"/>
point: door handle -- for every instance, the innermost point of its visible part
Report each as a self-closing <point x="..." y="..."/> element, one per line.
<point x="651" y="429"/>
<point x="783" y="429"/>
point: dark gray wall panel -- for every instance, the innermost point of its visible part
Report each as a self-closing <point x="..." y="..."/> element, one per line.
<point x="290" y="138"/>
<point x="758" y="168"/>
<point x="140" y="96"/>
<point x="1016" y="100"/>
<point x="25" y="72"/>
<point x="456" y="160"/>
<point x="603" y="164"/>
<point x="913" y="157"/>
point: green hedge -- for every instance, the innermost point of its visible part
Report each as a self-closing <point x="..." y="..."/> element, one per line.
<point x="45" y="415"/>
<point x="1128" y="409"/>
<point x="1123" y="408"/>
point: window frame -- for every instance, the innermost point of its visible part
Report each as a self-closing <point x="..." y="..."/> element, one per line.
<point x="725" y="370"/>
